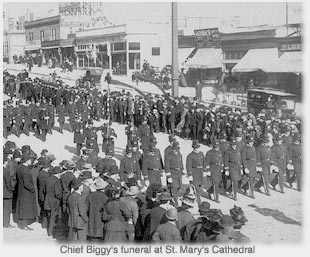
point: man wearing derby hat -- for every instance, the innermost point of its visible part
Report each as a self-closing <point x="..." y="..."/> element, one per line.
<point x="96" y="202"/>
<point x="168" y="231"/>
<point x="232" y="163"/>
<point x="195" y="164"/>
<point x="214" y="166"/>
<point x="52" y="194"/>
<point x="263" y="162"/>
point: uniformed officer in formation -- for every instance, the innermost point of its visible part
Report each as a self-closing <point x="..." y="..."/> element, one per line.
<point x="214" y="167"/>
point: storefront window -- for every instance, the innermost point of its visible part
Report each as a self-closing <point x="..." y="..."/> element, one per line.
<point x="134" y="46"/>
<point x="155" y="50"/>
<point x="119" y="46"/>
<point x="134" y="61"/>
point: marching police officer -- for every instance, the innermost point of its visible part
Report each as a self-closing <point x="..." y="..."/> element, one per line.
<point x="152" y="164"/>
<point x="174" y="167"/>
<point x="248" y="155"/>
<point x="195" y="164"/>
<point x="214" y="166"/>
<point x="263" y="161"/>
<point x="233" y="163"/>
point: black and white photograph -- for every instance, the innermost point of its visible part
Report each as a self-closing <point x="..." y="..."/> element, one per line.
<point x="139" y="124"/>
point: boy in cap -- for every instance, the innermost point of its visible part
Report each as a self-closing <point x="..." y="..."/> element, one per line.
<point x="168" y="231"/>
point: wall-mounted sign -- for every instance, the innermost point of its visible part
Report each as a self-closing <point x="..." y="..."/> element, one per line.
<point x="211" y="34"/>
<point x="207" y="37"/>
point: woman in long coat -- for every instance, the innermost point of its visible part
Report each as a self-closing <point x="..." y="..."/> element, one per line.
<point x="26" y="208"/>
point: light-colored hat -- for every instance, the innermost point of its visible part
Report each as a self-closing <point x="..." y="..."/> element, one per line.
<point x="100" y="183"/>
<point x="133" y="190"/>
<point x="172" y="214"/>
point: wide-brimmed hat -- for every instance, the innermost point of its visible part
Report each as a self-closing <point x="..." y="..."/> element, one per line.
<point x="100" y="183"/>
<point x="172" y="214"/>
<point x="189" y="200"/>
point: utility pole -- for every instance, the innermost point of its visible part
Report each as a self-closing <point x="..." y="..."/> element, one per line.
<point x="286" y="17"/>
<point x="175" y="68"/>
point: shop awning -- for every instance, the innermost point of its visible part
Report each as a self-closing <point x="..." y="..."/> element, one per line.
<point x="265" y="59"/>
<point x="291" y="62"/>
<point x="206" y="58"/>
<point x="32" y="47"/>
<point x="183" y="53"/>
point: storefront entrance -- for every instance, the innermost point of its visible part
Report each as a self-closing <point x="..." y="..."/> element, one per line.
<point x="119" y="63"/>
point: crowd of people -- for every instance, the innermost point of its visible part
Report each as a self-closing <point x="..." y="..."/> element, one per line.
<point x="146" y="197"/>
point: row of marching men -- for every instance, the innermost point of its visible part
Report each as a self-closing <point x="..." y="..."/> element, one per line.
<point x="79" y="204"/>
<point x="228" y="168"/>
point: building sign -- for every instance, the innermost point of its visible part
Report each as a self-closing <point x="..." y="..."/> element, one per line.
<point x="291" y="47"/>
<point x="211" y="34"/>
<point x="207" y="37"/>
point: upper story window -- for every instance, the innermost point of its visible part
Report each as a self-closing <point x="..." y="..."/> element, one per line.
<point x="42" y="36"/>
<point x="155" y="50"/>
<point x="53" y="34"/>
<point x="30" y="36"/>
<point x="134" y="45"/>
<point x="119" y="46"/>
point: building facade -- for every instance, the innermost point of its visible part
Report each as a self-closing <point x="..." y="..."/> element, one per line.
<point x="123" y="48"/>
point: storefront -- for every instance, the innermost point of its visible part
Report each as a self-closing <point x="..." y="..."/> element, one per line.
<point x="58" y="50"/>
<point x="205" y="66"/>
